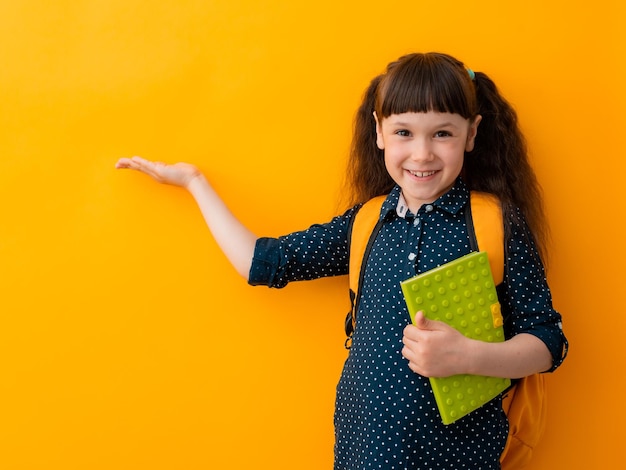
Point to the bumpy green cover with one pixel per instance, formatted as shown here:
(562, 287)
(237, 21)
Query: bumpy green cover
(462, 294)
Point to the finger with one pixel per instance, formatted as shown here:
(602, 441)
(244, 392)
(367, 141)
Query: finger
(144, 166)
(420, 320)
(423, 323)
(139, 160)
(408, 333)
(410, 356)
(122, 163)
(134, 163)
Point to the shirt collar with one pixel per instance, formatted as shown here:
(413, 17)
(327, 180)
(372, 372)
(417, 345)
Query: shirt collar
(452, 201)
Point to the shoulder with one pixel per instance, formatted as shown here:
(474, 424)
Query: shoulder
(367, 214)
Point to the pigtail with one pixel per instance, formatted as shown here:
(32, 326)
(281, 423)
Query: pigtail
(499, 162)
(367, 175)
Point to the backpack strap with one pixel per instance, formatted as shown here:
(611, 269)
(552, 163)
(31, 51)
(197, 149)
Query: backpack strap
(365, 225)
(362, 237)
(486, 229)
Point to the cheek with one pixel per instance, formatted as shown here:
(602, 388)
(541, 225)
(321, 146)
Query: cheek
(460, 161)
(455, 159)
(391, 165)
(391, 159)
(394, 152)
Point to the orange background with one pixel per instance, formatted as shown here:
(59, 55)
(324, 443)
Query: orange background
(126, 339)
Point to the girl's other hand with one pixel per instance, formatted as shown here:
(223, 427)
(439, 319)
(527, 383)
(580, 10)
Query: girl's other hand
(177, 174)
(434, 349)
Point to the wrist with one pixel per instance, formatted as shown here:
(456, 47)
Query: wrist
(472, 356)
(196, 181)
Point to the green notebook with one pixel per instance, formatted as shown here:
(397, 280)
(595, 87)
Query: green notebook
(462, 294)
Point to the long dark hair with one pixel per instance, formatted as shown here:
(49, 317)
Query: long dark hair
(438, 82)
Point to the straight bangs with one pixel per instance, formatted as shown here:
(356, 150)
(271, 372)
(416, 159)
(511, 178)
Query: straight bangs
(426, 82)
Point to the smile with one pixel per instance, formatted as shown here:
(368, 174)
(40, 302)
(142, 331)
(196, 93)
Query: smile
(422, 174)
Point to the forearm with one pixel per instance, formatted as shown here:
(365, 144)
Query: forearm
(234, 239)
(520, 356)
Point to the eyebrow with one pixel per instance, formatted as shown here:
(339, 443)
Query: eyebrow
(406, 124)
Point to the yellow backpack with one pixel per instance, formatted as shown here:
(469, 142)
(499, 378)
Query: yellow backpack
(525, 402)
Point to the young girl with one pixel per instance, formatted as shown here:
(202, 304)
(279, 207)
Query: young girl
(429, 131)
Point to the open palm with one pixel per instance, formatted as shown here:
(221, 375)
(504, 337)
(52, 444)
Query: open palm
(177, 174)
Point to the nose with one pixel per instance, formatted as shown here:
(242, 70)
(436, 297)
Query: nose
(421, 150)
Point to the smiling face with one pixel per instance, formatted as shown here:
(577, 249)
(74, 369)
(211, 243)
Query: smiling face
(424, 152)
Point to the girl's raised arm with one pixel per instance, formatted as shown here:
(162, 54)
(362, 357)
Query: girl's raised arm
(235, 240)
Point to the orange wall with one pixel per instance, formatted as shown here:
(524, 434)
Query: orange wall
(128, 342)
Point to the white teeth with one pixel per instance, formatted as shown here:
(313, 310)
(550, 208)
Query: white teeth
(421, 174)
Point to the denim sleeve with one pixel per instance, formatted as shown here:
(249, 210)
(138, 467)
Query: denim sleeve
(526, 298)
(319, 251)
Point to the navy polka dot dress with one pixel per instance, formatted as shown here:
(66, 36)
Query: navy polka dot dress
(385, 415)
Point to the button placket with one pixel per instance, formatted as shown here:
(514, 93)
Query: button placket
(415, 234)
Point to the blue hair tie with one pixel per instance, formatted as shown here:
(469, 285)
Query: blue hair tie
(471, 74)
